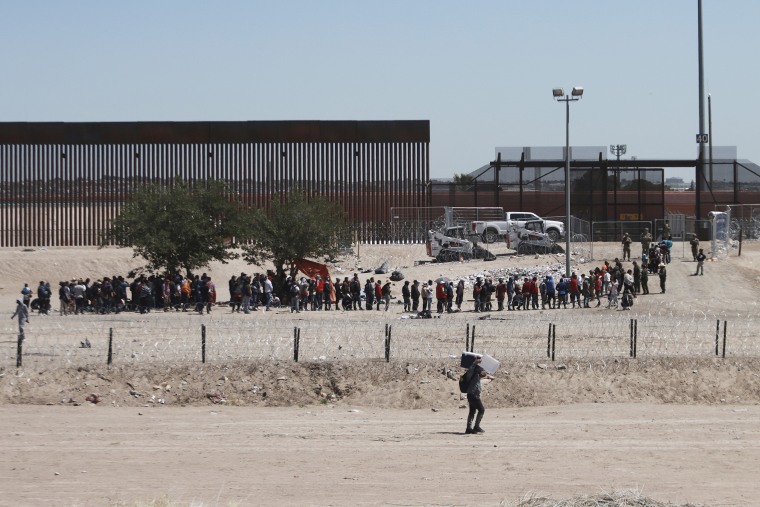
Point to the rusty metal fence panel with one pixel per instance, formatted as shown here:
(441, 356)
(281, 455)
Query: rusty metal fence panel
(62, 183)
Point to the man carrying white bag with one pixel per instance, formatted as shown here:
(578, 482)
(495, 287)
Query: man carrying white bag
(478, 366)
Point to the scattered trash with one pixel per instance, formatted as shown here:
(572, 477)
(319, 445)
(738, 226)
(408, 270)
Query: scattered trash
(85, 344)
(397, 276)
(217, 397)
(93, 398)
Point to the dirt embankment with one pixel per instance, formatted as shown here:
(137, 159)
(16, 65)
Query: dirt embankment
(388, 385)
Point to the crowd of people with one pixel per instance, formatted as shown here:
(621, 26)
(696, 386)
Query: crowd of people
(610, 284)
(114, 294)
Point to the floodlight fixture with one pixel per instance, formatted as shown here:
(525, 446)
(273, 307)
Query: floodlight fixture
(559, 96)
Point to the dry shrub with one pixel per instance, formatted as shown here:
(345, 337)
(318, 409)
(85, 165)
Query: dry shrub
(625, 498)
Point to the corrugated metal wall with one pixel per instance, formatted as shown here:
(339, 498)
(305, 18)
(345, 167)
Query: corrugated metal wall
(61, 183)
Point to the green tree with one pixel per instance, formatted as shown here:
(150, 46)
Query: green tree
(296, 228)
(463, 180)
(181, 226)
(642, 184)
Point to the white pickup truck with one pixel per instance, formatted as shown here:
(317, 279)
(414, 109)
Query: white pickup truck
(491, 231)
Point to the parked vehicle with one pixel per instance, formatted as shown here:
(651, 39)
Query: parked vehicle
(451, 244)
(530, 238)
(490, 231)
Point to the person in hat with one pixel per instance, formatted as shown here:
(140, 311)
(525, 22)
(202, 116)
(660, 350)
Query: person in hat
(646, 239)
(694, 242)
(415, 293)
(22, 313)
(627, 246)
(700, 262)
(477, 289)
(663, 276)
(473, 375)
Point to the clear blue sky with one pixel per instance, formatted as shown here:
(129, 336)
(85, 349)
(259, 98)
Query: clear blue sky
(480, 71)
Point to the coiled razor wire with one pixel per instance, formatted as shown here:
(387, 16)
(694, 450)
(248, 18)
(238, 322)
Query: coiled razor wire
(671, 331)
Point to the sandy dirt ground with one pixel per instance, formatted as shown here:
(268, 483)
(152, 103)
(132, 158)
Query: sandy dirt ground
(370, 433)
(363, 456)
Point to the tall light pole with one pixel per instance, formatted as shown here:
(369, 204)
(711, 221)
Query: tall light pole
(617, 150)
(559, 96)
(701, 138)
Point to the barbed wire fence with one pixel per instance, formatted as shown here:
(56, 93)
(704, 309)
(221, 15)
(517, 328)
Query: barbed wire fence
(561, 335)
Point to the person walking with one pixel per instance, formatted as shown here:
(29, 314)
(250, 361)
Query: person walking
(473, 375)
(663, 276)
(26, 293)
(700, 263)
(22, 314)
(613, 296)
(386, 292)
(268, 288)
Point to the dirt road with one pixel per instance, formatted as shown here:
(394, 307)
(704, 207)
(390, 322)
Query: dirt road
(338, 455)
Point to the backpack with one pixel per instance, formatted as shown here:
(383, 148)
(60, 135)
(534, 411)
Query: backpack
(464, 382)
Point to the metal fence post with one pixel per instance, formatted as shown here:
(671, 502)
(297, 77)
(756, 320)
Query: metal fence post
(467, 339)
(724, 339)
(388, 330)
(296, 343)
(110, 346)
(635, 337)
(19, 350)
(472, 339)
(717, 335)
(554, 339)
(630, 353)
(203, 343)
